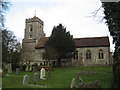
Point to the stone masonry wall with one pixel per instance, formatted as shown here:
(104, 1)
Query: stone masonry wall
(94, 56)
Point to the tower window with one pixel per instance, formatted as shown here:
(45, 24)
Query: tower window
(31, 29)
(30, 37)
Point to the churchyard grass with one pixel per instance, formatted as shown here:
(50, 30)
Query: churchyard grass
(61, 77)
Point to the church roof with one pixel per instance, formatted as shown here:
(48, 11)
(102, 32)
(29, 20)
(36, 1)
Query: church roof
(81, 42)
(41, 42)
(92, 42)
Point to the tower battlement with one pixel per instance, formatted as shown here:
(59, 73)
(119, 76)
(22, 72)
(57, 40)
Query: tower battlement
(34, 19)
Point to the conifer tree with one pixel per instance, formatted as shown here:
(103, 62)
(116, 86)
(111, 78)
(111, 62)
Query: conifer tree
(60, 45)
(112, 17)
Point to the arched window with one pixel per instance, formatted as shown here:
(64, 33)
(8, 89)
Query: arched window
(30, 37)
(75, 55)
(101, 54)
(88, 54)
(31, 28)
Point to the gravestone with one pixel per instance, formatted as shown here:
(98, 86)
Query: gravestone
(9, 68)
(6, 67)
(30, 68)
(1, 72)
(17, 70)
(27, 68)
(42, 74)
(34, 69)
(35, 77)
(72, 83)
(25, 80)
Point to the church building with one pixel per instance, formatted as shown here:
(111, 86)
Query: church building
(89, 51)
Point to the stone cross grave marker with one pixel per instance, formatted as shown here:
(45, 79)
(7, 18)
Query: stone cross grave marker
(42, 74)
(36, 77)
(9, 68)
(25, 80)
(17, 70)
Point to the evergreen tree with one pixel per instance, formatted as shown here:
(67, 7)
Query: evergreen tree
(60, 44)
(112, 17)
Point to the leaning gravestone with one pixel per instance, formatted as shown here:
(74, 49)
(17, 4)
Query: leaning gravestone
(72, 83)
(35, 77)
(17, 70)
(26, 80)
(9, 68)
(42, 74)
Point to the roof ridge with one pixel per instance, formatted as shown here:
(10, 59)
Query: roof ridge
(91, 37)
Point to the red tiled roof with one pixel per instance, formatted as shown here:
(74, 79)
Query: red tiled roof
(41, 42)
(81, 42)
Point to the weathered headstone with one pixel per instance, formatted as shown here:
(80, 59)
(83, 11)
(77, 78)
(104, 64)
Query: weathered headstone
(25, 80)
(36, 77)
(27, 68)
(6, 67)
(9, 68)
(17, 70)
(1, 72)
(30, 68)
(34, 69)
(72, 83)
(42, 74)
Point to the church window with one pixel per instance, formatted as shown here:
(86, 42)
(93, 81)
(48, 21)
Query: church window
(31, 29)
(75, 55)
(88, 54)
(30, 36)
(101, 54)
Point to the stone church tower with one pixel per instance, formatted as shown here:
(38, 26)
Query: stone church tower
(32, 33)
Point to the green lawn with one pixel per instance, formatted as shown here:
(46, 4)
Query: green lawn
(61, 77)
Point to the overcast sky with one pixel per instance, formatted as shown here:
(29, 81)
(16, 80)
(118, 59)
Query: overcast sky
(75, 15)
